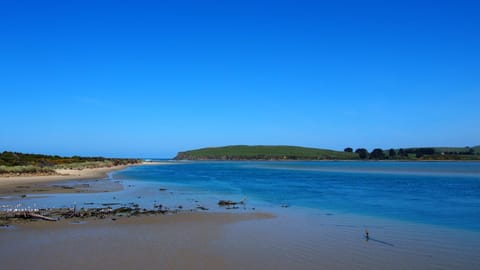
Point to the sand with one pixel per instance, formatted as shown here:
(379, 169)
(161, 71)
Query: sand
(286, 240)
(44, 184)
(181, 241)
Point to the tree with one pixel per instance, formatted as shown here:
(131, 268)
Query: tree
(401, 153)
(392, 153)
(377, 153)
(362, 153)
(420, 152)
(348, 150)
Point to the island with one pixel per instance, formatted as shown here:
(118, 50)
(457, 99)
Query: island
(282, 152)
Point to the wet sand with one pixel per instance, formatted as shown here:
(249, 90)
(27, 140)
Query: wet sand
(286, 240)
(181, 241)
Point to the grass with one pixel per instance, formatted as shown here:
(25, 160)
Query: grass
(21, 170)
(13, 163)
(262, 152)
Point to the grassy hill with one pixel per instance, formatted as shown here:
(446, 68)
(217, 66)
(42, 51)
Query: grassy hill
(262, 152)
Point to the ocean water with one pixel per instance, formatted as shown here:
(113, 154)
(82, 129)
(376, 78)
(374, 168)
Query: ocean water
(436, 193)
(439, 193)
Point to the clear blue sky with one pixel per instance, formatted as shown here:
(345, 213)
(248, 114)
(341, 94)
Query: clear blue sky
(146, 79)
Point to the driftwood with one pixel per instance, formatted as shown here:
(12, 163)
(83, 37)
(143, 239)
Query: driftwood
(33, 215)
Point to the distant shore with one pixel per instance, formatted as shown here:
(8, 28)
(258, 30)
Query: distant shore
(8, 184)
(294, 153)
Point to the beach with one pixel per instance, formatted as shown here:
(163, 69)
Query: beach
(285, 240)
(34, 184)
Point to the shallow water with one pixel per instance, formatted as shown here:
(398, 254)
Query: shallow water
(437, 193)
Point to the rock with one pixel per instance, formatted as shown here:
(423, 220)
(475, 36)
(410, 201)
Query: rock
(225, 203)
(122, 210)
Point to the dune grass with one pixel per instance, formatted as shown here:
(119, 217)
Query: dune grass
(13, 163)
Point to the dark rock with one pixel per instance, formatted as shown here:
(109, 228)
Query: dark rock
(122, 210)
(225, 203)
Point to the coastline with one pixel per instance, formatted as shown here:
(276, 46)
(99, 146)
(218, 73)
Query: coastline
(11, 184)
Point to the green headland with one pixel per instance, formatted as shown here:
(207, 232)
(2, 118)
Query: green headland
(265, 152)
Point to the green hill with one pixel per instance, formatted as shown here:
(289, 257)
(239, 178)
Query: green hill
(262, 152)
(265, 152)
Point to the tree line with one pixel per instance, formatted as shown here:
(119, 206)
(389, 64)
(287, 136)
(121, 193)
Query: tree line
(423, 152)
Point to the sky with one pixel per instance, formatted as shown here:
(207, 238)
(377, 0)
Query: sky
(151, 78)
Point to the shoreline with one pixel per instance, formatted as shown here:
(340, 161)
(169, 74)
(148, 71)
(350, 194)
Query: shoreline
(327, 160)
(10, 184)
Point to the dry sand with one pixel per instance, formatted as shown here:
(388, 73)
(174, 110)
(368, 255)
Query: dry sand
(41, 184)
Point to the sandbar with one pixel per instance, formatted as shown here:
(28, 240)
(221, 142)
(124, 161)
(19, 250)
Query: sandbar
(30, 184)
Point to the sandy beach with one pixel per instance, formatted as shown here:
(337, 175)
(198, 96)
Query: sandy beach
(181, 241)
(44, 183)
(286, 240)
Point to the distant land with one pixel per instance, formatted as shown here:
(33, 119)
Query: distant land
(265, 152)
(14, 163)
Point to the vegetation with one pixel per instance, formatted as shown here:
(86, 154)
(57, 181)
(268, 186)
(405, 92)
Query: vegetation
(362, 153)
(260, 152)
(377, 153)
(18, 163)
(435, 153)
(14, 170)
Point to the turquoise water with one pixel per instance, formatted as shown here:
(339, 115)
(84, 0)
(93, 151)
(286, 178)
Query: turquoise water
(437, 193)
